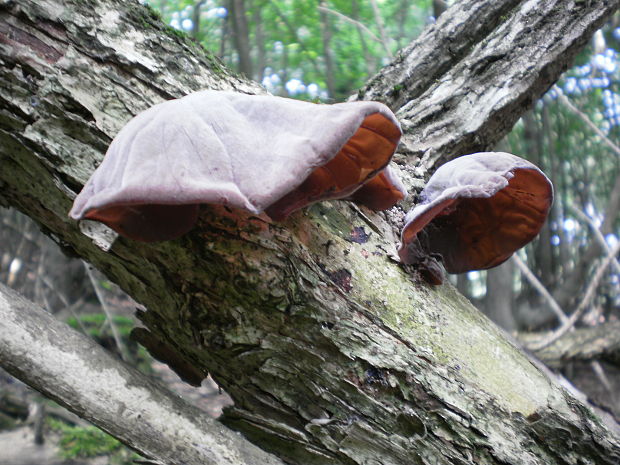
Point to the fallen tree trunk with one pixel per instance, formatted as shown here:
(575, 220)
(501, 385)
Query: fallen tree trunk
(331, 350)
(600, 342)
(78, 373)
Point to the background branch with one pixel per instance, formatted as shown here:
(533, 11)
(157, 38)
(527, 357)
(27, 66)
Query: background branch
(583, 305)
(76, 372)
(535, 282)
(600, 342)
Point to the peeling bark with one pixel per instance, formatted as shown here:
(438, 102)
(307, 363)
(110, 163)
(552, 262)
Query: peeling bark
(332, 351)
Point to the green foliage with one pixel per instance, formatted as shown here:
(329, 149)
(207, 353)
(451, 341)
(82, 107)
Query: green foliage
(97, 327)
(7, 422)
(286, 39)
(155, 14)
(78, 442)
(82, 442)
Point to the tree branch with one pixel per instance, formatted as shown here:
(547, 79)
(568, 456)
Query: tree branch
(80, 375)
(587, 121)
(76, 372)
(357, 24)
(596, 232)
(600, 342)
(535, 282)
(583, 305)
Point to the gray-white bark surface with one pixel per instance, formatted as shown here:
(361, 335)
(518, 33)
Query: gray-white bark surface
(78, 373)
(468, 78)
(331, 350)
(601, 342)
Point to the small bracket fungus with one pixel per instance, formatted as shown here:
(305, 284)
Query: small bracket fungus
(475, 211)
(258, 153)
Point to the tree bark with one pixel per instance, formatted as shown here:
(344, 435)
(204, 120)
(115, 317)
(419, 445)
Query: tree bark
(241, 35)
(328, 56)
(78, 373)
(331, 350)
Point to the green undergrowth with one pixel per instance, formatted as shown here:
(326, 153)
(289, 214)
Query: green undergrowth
(97, 326)
(79, 442)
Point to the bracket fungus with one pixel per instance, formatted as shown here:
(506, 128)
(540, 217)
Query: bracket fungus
(380, 192)
(475, 211)
(258, 153)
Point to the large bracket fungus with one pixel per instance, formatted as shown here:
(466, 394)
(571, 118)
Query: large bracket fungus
(258, 153)
(475, 211)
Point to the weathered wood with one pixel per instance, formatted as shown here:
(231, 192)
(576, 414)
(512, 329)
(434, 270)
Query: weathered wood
(332, 351)
(78, 373)
(462, 85)
(601, 342)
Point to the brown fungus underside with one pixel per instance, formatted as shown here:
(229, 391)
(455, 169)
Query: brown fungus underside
(475, 212)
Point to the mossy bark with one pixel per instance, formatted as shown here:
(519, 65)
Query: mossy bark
(333, 352)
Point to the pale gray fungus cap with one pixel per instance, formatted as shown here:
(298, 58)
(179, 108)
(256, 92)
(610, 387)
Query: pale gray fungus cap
(477, 210)
(258, 153)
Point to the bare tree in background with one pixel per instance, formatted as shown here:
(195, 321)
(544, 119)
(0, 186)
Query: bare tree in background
(241, 35)
(328, 57)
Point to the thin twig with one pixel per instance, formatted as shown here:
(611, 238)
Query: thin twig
(534, 281)
(384, 40)
(115, 334)
(565, 101)
(69, 307)
(597, 233)
(38, 288)
(585, 303)
(352, 21)
(598, 370)
(27, 233)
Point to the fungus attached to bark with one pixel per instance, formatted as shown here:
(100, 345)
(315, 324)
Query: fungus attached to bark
(259, 153)
(475, 211)
(381, 192)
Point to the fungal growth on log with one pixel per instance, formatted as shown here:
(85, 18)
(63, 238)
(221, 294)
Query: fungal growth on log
(475, 211)
(380, 192)
(258, 153)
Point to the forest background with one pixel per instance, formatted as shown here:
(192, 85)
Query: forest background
(326, 50)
